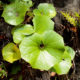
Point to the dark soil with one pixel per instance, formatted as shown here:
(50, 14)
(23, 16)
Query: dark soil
(71, 37)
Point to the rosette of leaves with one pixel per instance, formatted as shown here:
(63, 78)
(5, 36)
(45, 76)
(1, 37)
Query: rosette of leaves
(22, 31)
(11, 53)
(47, 50)
(14, 13)
(39, 45)
(42, 51)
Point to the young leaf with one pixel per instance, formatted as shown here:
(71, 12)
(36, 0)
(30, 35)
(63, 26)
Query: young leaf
(45, 9)
(11, 53)
(42, 24)
(14, 13)
(20, 32)
(42, 51)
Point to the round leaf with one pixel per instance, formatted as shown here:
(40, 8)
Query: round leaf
(45, 9)
(41, 51)
(14, 13)
(11, 53)
(20, 32)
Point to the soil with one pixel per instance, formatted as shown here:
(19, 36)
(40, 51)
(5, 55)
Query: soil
(71, 37)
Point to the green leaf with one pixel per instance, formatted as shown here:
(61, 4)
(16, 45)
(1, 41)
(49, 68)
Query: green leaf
(70, 52)
(25, 29)
(11, 53)
(45, 9)
(63, 67)
(20, 32)
(42, 51)
(42, 24)
(28, 3)
(18, 37)
(14, 29)
(14, 13)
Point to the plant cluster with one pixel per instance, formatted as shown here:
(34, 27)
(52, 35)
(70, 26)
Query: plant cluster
(37, 44)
